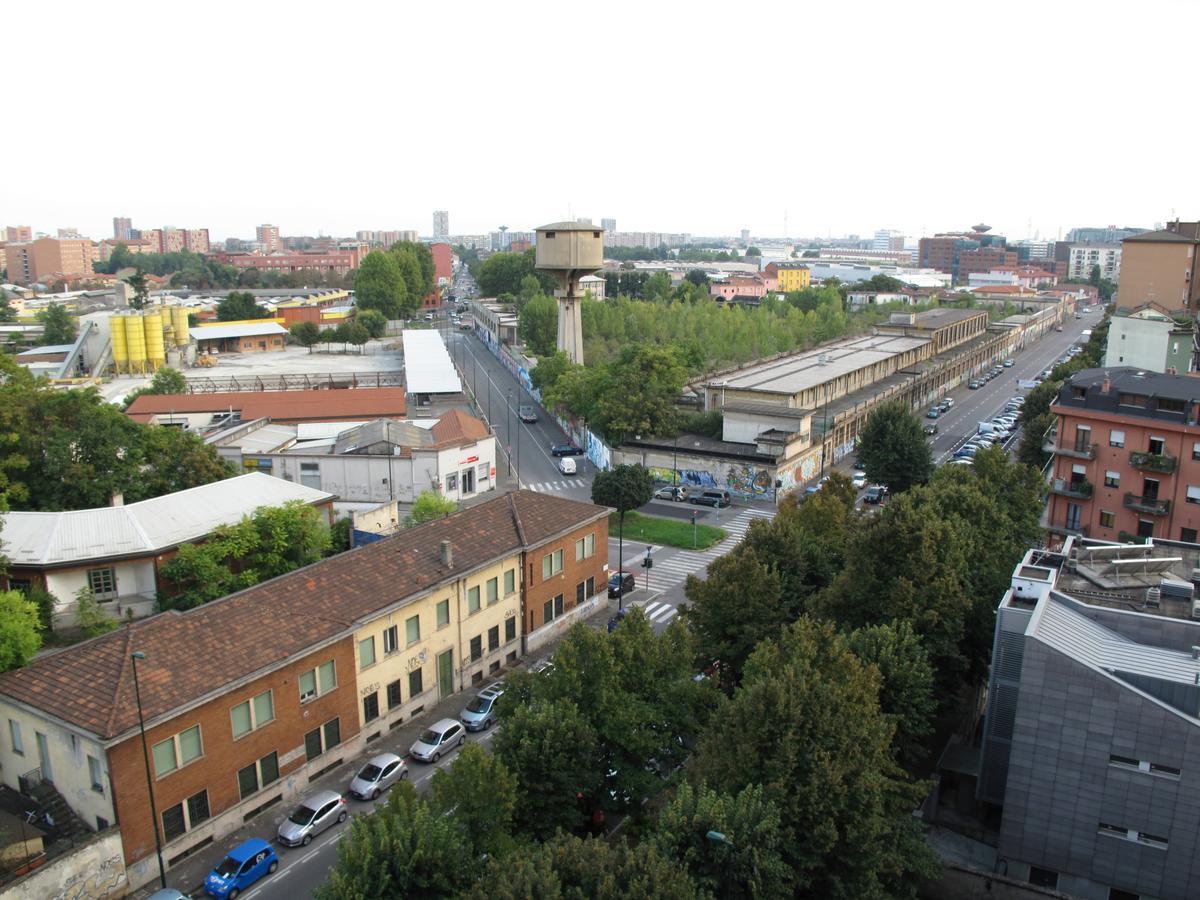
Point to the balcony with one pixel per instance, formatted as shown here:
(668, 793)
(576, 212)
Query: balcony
(1153, 462)
(1081, 490)
(1151, 505)
(1045, 524)
(1079, 451)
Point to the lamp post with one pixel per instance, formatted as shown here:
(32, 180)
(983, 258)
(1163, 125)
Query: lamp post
(510, 434)
(716, 837)
(137, 693)
(675, 463)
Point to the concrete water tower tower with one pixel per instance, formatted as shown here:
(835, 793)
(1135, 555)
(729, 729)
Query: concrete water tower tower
(569, 250)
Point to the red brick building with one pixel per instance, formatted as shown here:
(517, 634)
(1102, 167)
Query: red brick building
(443, 263)
(1126, 456)
(338, 262)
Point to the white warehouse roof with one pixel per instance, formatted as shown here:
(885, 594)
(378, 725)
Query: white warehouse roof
(244, 329)
(428, 368)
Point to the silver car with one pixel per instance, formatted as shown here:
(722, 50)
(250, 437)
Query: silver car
(437, 740)
(311, 817)
(480, 713)
(379, 774)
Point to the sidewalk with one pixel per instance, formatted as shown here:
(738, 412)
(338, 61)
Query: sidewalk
(188, 876)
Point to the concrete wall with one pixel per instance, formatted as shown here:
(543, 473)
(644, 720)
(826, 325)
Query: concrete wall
(93, 870)
(964, 883)
(742, 479)
(135, 582)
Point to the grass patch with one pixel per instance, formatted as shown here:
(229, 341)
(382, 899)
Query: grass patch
(670, 532)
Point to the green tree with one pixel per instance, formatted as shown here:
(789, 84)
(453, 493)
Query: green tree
(91, 619)
(549, 369)
(308, 334)
(893, 449)
(657, 286)
(6, 310)
(808, 729)
(570, 867)
(428, 506)
(58, 325)
(165, 381)
(481, 795)
(753, 251)
(141, 289)
(355, 333)
(697, 277)
(624, 488)
(537, 325)
(175, 460)
(410, 270)
(238, 306)
(645, 384)
(502, 273)
(530, 288)
(906, 685)
(373, 321)
(403, 849)
(379, 284)
(20, 630)
(750, 865)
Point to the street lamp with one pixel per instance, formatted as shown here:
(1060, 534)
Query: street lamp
(510, 434)
(137, 693)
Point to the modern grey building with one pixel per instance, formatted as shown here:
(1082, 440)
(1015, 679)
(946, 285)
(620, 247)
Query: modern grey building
(1092, 732)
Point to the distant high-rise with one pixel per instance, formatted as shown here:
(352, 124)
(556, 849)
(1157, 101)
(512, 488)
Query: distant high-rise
(745, 235)
(441, 224)
(268, 237)
(122, 226)
(609, 225)
(887, 239)
(1109, 235)
(17, 234)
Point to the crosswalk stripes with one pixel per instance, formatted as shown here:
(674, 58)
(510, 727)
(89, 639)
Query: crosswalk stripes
(659, 612)
(550, 487)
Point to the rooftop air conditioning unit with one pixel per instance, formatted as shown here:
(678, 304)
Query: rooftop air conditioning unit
(1177, 590)
(1153, 597)
(1196, 609)
(1195, 576)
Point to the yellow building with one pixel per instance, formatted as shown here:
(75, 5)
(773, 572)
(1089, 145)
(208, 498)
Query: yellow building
(794, 278)
(440, 641)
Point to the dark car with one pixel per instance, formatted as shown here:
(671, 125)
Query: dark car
(527, 413)
(719, 499)
(931, 428)
(624, 582)
(933, 413)
(875, 494)
(566, 450)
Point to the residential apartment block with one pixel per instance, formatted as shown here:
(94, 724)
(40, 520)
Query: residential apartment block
(1084, 258)
(1148, 337)
(267, 236)
(791, 276)
(1092, 731)
(45, 258)
(1126, 456)
(1162, 267)
(359, 642)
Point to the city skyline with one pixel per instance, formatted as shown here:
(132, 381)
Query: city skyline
(922, 161)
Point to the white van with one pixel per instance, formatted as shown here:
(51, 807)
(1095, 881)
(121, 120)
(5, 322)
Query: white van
(566, 465)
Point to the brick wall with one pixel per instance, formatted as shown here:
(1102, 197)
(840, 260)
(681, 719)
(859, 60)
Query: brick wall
(217, 769)
(539, 590)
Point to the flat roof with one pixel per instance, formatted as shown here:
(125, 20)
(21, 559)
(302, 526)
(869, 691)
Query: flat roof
(428, 368)
(247, 329)
(810, 368)
(324, 405)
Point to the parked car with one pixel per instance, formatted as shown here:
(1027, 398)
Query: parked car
(480, 713)
(566, 465)
(933, 412)
(623, 583)
(1008, 363)
(311, 817)
(245, 864)
(931, 428)
(975, 384)
(526, 413)
(671, 492)
(718, 499)
(566, 450)
(437, 740)
(966, 450)
(859, 481)
(875, 494)
(379, 774)
(947, 403)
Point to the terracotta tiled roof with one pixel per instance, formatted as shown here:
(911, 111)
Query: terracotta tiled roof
(456, 427)
(280, 406)
(198, 653)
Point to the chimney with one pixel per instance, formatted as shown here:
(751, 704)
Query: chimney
(118, 499)
(447, 555)
(1107, 385)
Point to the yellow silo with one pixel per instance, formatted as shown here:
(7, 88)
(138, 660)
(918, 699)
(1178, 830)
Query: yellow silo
(120, 349)
(179, 318)
(155, 351)
(135, 337)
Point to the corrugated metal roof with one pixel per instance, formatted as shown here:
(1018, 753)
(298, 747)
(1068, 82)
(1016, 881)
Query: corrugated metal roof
(248, 329)
(428, 368)
(53, 538)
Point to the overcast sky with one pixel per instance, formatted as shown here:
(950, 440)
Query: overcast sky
(693, 117)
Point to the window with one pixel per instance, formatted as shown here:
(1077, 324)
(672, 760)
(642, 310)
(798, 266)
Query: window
(1112, 479)
(483, 472)
(1043, 877)
(443, 613)
(1196, 450)
(1129, 834)
(585, 547)
(182, 817)
(476, 648)
(493, 592)
(317, 682)
(558, 606)
(412, 630)
(510, 581)
(580, 592)
(1170, 404)
(322, 739)
(371, 707)
(103, 583)
(391, 640)
(14, 734)
(472, 600)
(1141, 765)
(258, 775)
(591, 586)
(1118, 894)
(414, 683)
(548, 611)
(1116, 438)
(552, 563)
(310, 475)
(1107, 519)
(510, 629)
(1145, 528)
(177, 751)
(452, 482)
(493, 638)
(1193, 494)
(252, 714)
(1187, 535)
(366, 652)
(96, 774)
(393, 694)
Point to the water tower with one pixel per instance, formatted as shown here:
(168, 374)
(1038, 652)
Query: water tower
(569, 250)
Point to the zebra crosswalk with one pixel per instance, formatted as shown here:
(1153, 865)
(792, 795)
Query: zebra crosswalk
(657, 611)
(550, 487)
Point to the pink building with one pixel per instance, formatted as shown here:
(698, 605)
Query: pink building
(443, 263)
(738, 286)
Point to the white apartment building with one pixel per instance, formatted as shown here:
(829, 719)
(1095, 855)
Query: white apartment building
(1085, 257)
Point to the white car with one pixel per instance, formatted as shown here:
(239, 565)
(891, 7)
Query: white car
(859, 480)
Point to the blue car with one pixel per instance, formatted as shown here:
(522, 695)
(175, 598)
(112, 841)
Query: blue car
(245, 864)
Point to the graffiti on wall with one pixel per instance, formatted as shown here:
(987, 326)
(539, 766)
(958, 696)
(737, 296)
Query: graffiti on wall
(800, 473)
(598, 452)
(94, 882)
(749, 481)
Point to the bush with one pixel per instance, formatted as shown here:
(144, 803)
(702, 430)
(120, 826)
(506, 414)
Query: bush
(93, 621)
